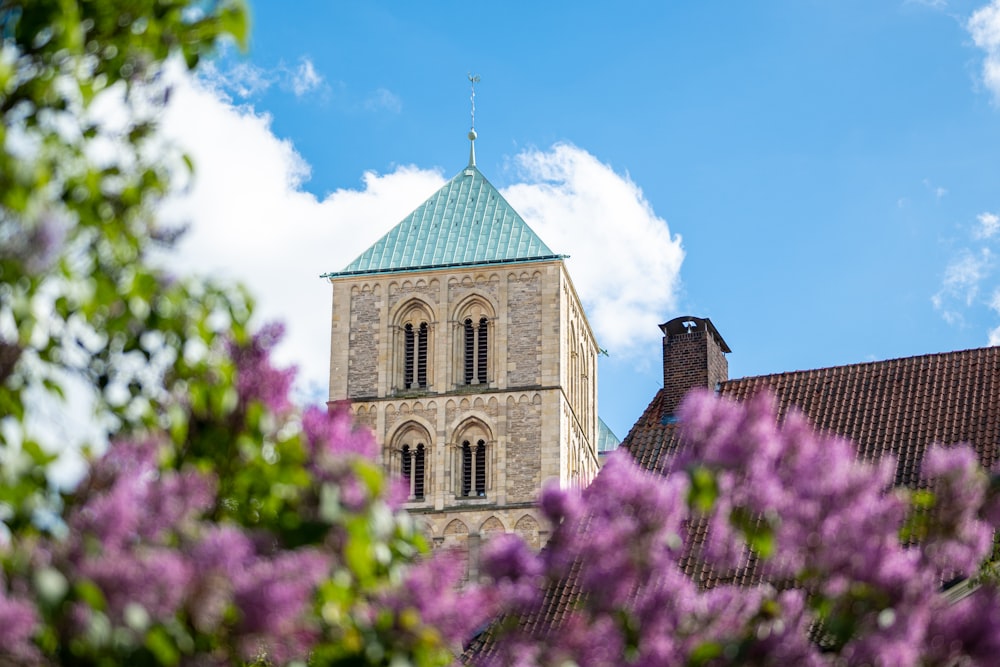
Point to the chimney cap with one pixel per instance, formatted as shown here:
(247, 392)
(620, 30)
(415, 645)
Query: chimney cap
(689, 323)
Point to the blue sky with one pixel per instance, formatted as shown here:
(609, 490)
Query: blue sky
(821, 178)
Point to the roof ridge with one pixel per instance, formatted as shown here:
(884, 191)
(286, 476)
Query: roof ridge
(860, 364)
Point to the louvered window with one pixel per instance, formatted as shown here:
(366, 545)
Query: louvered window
(412, 468)
(406, 465)
(408, 356)
(481, 351)
(470, 348)
(418, 473)
(466, 468)
(474, 469)
(481, 469)
(422, 356)
(415, 356)
(476, 338)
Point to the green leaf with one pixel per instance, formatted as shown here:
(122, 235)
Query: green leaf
(705, 653)
(757, 530)
(704, 489)
(162, 647)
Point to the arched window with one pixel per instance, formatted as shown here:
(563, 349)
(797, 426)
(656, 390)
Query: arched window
(476, 355)
(410, 448)
(473, 343)
(412, 469)
(412, 350)
(474, 468)
(415, 356)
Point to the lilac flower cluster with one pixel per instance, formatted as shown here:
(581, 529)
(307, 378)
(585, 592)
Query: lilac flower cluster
(256, 377)
(781, 504)
(138, 535)
(154, 559)
(19, 620)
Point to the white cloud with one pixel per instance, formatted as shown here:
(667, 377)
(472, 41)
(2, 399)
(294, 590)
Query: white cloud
(240, 79)
(994, 334)
(383, 100)
(243, 79)
(989, 225)
(964, 275)
(963, 278)
(984, 27)
(305, 78)
(623, 260)
(935, 190)
(972, 272)
(251, 221)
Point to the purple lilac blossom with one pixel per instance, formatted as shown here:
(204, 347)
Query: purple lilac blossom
(273, 597)
(958, 539)
(431, 588)
(333, 433)
(256, 378)
(834, 535)
(19, 621)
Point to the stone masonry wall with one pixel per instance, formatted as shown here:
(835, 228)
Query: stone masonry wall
(524, 330)
(524, 467)
(362, 370)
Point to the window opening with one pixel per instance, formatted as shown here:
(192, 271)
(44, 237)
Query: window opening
(466, 468)
(481, 469)
(406, 465)
(415, 355)
(408, 356)
(481, 371)
(422, 356)
(418, 476)
(470, 346)
(476, 351)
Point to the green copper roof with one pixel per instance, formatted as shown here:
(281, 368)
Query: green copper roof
(466, 222)
(607, 441)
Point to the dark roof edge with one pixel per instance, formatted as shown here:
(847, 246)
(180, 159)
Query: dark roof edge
(860, 364)
(452, 265)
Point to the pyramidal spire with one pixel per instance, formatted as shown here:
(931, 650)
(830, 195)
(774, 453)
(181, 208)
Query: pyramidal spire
(473, 80)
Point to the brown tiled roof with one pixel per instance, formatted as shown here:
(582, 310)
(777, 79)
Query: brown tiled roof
(898, 407)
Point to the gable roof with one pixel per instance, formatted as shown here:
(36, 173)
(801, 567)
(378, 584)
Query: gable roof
(467, 222)
(897, 407)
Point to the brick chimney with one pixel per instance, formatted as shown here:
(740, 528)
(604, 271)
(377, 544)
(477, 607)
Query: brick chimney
(694, 355)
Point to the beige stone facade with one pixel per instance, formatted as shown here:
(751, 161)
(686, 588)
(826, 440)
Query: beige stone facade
(481, 384)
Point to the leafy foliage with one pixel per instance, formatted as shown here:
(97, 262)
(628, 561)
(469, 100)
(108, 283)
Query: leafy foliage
(222, 525)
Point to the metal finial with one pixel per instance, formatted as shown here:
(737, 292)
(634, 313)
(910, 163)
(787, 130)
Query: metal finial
(473, 80)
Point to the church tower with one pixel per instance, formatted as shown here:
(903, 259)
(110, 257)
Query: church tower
(459, 339)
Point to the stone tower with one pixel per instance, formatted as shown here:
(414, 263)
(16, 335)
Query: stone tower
(459, 339)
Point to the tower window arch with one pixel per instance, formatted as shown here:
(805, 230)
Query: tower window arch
(411, 452)
(413, 470)
(474, 344)
(473, 464)
(413, 347)
(476, 353)
(474, 468)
